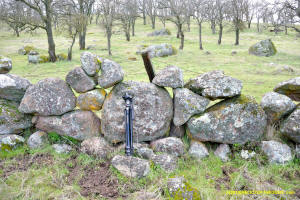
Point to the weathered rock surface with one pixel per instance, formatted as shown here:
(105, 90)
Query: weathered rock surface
(297, 151)
(11, 120)
(290, 88)
(62, 148)
(9, 142)
(22, 51)
(50, 96)
(153, 111)
(198, 150)
(145, 152)
(80, 81)
(92, 100)
(111, 74)
(175, 185)
(77, 124)
(33, 57)
(166, 161)
(160, 32)
(276, 106)
(90, 63)
(223, 152)
(236, 120)
(263, 48)
(38, 139)
(177, 131)
(291, 126)
(170, 145)
(215, 85)
(96, 146)
(277, 152)
(5, 65)
(160, 50)
(187, 104)
(131, 166)
(13, 87)
(145, 195)
(170, 76)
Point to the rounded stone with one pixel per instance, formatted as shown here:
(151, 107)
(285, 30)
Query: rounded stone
(290, 88)
(290, 127)
(5, 65)
(37, 140)
(80, 81)
(92, 100)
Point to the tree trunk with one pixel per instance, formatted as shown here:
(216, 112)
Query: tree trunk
(108, 35)
(144, 18)
(133, 27)
(17, 32)
(82, 39)
(200, 36)
(178, 33)
(213, 27)
(181, 37)
(249, 25)
(188, 23)
(220, 33)
(237, 36)
(127, 34)
(153, 22)
(257, 25)
(285, 29)
(71, 47)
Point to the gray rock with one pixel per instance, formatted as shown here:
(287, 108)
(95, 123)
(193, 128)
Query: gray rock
(11, 120)
(153, 111)
(33, 57)
(290, 127)
(145, 152)
(277, 152)
(96, 146)
(50, 96)
(62, 148)
(215, 85)
(223, 152)
(177, 131)
(236, 120)
(13, 87)
(187, 104)
(5, 65)
(179, 189)
(90, 63)
(161, 32)
(131, 166)
(170, 145)
(111, 74)
(145, 195)
(297, 151)
(175, 185)
(263, 48)
(38, 139)
(91, 47)
(92, 100)
(80, 81)
(290, 88)
(10, 142)
(198, 150)
(22, 51)
(170, 76)
(276, 106)
(166, 161)
(160, 50)
(77, 124)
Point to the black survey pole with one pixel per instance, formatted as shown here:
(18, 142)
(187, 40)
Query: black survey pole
(128, 124)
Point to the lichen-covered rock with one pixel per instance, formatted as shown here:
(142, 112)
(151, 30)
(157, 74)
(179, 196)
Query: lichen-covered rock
(90, 63)
(80, 81)
(38, 139)
(276, 106)
(92, 100)
(5, 65)
(215, 85)
(161, 32)
(170, 145)
(131, 166)
(198, 150)
(62, 148)
(236, 120)
(145, 152)
(77, 124)
(263, 48)
(11, 120)
(50, 96)
(160, 50)
(175, 184)
(22, 51)
(170, 76)
(153, 111)
(187, 104)
(9, 142)
(33, 57)
(223, 152)
(277, 152)
(290, 88)
(177, 131)
(111, 74)
(166, 161)
(96, 146)
(290, 127)
(13, 87)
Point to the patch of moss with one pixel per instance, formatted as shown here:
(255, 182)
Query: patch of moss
(28, 48)
(55, 138)
(175, 51)
(187, 192)
(44, 59)
(62, 57)
(168, 31)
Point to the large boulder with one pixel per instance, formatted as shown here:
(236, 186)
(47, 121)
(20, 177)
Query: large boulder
(92, 100)
(160, 50)
(111, 74)
(38, 139)
(215, 85)
(90, 63)
(236, 120)
(9, 142)
(187, 104)
(80, 81)
(160, 32)
(290, 88)
(290, 127)
(13, 87)
(170, 145)
(153, 111)
(11, 120)
(77, 124)
(50, 96)
(5, 65)
(170, 76)
(276, 106)
(277, 152)
(96, 146)
(198, 150)
(263, 48)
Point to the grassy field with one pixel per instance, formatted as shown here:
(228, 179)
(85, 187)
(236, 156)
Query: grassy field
(43, 174)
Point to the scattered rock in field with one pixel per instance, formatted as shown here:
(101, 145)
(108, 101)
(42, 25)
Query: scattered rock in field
(284, 69)
(297, 151)
(223, 152)
(77, 124)
(277, 152)
(276, 106)
(290, 88)
(198, 150)
(290, 127)
(22, 51)
(62, 148)
(33, 57)
(111, 74)
(160, 50)
(38, 139)
(96, 146)
(170, 145)
(160, 32)
(92, 100)
(170, 76)
(11, 120)
(175, 185)
(9, 142)
(90, 63)
(50, 96)
(153, 112)
(131, 166)
(215, 85)
(245, 154)
(145, 152)
(187, 104)
(177, 131)
(236, 120)
(5, 65)
(91, 47)
(61, 57)
(80, 81)
(166, 161)
(207, 53)
(263, 48)
(233, 53)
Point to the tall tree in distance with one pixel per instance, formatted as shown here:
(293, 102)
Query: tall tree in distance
(237, 15)
(200, 13)
(221, 12)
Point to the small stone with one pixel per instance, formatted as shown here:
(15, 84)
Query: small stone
(33, 57)
(166, 161)
(145, 153)
(290, 127)
(177, 131)
(9, 142)
(91, 47)
(207, 53)
(263, 48)
(111, 74)
(277, 152)
(90, 63)
(62, 148)
(223, 152)
(96, 146)
(170, 145)
(38, 139)
(233, 53)
(175, 185)
(92, 100)
(198, 150)
(290, 88)
(5, 65)
(170, 76)
(80, 81)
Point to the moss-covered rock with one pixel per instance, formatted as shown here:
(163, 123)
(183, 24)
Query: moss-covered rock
(62, 57)
(44, 59)
(9, 142)
(263, 48)
(28, 48)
